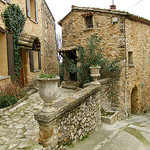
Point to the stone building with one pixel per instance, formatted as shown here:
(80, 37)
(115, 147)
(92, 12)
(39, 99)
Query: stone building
(125, 36)
(37, 42)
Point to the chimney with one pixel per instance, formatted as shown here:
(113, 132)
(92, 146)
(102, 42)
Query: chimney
(113, 7)
(73, 6)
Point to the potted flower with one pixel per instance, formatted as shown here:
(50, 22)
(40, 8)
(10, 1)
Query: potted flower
(48, 86)
(95, 73)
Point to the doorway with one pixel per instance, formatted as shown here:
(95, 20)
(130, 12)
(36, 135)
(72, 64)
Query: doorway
(72, 56)
(134, 100)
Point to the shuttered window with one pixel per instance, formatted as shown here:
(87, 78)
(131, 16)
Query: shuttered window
(32, 9)
(35, 57)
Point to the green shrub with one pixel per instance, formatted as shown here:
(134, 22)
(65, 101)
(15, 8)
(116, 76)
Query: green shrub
(7, 100)
(47, 75)
(10, 93)
(92, 55)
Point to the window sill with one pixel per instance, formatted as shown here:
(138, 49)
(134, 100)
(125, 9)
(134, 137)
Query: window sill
(131, 65)
(4, 77)
(36, 70)
(88, 29)
(34, 21)
(3, 1)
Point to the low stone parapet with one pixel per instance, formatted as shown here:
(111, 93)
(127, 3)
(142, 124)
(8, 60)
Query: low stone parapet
(74, 118)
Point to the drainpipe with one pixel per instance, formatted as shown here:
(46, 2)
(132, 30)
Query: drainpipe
(125, 101)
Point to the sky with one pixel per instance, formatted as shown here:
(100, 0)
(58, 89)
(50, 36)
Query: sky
(60, 8)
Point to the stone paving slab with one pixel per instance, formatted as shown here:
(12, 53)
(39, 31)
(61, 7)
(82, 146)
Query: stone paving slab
(18, 128)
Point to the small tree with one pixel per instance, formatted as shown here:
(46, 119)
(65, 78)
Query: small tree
(92, 54)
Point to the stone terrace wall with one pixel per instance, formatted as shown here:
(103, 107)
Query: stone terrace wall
(76, 115)
(109, 98)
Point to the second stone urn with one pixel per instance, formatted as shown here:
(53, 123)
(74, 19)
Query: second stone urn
(48, 89)
(95, 74)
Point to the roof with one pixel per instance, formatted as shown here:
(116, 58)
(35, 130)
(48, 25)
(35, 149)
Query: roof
(108, 11)
(70, 48)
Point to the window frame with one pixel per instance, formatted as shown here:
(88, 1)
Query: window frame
(130, 59)
(28, 10)
(31, 56)
(89, 22)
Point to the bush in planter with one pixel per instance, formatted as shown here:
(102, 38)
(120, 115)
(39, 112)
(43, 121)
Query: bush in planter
(42, 75)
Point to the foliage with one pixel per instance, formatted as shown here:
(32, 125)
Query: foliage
(92, 55)
(7, 100)
(93, 65)
(47, 76)
(14, 20)
(10, 93)
(61, 68)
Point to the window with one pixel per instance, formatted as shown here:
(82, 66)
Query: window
(35, 56)
(32, 10)
(89, 21)
(130, 59)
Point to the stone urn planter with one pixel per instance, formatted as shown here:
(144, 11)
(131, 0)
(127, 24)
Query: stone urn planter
(95, 74)
(48, 89)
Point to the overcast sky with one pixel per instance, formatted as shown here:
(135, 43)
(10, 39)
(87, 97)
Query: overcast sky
(60, 8)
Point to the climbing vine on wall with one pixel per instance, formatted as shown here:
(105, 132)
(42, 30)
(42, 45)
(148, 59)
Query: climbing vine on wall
(14, 20)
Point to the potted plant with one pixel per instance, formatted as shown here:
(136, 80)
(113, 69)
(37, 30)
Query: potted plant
(95, 73)
(48, 86)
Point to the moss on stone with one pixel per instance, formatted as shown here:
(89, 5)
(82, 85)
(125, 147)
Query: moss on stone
(138, 135)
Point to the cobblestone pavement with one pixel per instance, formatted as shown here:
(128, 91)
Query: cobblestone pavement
(18, 128)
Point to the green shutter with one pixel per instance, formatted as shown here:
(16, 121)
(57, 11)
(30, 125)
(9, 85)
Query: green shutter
(31, 61)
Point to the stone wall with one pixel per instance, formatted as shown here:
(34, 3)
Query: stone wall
(51, 62)
(75, 117)
(74, 32)
(117, 40)
(138, 73)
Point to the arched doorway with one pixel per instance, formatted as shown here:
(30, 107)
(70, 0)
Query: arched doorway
(30, 52)
(134, 100)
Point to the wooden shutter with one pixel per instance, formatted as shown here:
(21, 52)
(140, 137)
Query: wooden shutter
(39, 59)
(10, 54)
(28, 8)
(8, 1)
(31, 61)
(36, 11)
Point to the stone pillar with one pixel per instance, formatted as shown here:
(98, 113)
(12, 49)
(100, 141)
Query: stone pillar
(48, 133)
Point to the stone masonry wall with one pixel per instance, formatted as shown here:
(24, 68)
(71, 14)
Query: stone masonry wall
(76, 116)
(117, 40)
(138, 73)
(51, 62)
(74, 32)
